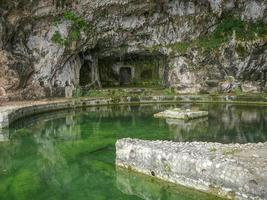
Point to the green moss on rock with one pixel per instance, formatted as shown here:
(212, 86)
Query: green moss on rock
(224, 32)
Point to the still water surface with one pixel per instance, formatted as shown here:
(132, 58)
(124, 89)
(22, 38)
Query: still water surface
(71, 154)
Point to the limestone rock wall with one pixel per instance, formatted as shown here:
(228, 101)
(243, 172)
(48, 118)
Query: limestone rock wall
(120, 29)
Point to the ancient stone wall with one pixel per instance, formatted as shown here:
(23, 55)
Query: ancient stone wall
(234, 171)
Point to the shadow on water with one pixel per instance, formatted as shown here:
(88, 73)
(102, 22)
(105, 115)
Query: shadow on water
(70, 154)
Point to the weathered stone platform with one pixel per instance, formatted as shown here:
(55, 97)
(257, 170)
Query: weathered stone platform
(178, 113)
(233, 171)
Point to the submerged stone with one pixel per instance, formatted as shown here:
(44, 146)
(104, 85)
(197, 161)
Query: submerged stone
(150, 188)
(181, 114)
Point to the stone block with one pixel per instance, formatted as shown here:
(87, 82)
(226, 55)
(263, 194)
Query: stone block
(181, 114)
(231, 171)
(69, 91)
(250, 87)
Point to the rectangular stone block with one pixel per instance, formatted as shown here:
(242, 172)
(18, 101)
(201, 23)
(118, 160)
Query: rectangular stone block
(181, 114)
(221, 169)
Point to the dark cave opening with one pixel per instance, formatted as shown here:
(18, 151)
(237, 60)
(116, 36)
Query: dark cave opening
(132, 69)
(89, 70)
(147, 74)
(85, 74)
(125, 76)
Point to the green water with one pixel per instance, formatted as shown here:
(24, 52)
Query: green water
(71, 154)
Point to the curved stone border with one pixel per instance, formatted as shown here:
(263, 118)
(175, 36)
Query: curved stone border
(231, 171)
(12, 112)
(9, 114)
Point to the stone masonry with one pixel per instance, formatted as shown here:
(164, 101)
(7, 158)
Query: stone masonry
(232, 171)
(178, 113)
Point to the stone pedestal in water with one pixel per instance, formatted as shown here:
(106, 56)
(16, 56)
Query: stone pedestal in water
(181, 114)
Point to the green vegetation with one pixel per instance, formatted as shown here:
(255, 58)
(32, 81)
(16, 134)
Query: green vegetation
(147, 82)
(69, 154)
(244, 30)
(224, 31)
(117, 94)
(180, 47)
(213, 149)
(229, 151)
(97, 93)
(78, 92)
(78, 25)
(58, 39)
(169, 91)
(237, 91)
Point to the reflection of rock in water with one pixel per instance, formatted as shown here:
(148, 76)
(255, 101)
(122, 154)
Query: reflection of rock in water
(4, 135)
(181, 129)
(239, 123)
(178, 113)
(149, 188)
(68, 130)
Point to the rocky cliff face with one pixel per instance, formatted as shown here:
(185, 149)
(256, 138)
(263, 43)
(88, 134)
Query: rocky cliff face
(197, 46)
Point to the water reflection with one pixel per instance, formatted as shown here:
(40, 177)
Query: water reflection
(225, 123)
(69, 154)
(4, 135)
(243, 124)
(180, 128)
(149, 188)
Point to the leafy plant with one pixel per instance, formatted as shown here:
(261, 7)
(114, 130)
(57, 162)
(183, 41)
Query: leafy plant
(78, 92)
(169, 91)
(223, 32)
(180, 47)
(57, 38)
(78, 24)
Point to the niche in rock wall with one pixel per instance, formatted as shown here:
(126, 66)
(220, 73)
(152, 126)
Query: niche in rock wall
(131, 69)
(125, 76)
(85, 74)
(147, 74)
(89, 73)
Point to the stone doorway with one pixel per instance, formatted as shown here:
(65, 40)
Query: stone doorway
(125, 75)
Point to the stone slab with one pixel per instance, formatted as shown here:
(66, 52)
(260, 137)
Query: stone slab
(224, 170)
(181, 114)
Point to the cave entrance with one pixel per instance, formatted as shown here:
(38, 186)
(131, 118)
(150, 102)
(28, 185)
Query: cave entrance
(125, 76)
(140, 69)
(85, 74)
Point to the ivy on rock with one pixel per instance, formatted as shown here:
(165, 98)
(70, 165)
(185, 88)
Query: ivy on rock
(78, 25)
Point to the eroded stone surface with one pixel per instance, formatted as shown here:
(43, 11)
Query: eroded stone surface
(178, 113)
(224, 170)
(150, 188)
(123, 29)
